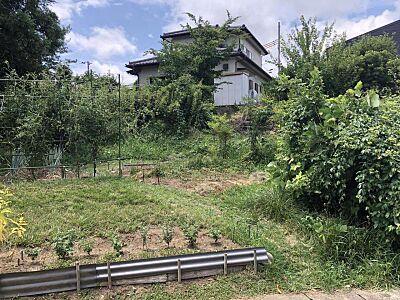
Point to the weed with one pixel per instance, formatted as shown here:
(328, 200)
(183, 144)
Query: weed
(87, 246)
(215, 234)
(33, 253)
(191, 232)
(144, 232)
(117, 244)
(168, 234)
(64, 244)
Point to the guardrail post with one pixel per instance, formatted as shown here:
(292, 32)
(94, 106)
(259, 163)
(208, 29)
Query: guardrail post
(255, 261)
(78, 277)
(179, 271)
(109, 275)
(225, 264)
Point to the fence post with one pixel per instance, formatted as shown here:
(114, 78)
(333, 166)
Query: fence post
(179, 271)
(255, 261)
(225, 264)
(109, 275)
(78, 169)
(78, 277)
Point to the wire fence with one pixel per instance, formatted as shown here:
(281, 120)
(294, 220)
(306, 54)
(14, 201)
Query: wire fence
(58, 127)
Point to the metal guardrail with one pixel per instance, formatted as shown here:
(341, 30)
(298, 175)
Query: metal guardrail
(130, 272)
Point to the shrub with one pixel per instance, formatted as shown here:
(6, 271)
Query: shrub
(168, 232)
(342, 154)
(64, 244)
(33, 253)
(10, 223)
(117, 244)
(215, 234)
(87, 246)
(191, 232)
(223, 129)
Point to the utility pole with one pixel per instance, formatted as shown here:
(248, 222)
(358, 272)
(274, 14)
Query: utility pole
(88, 63)
(279, 47)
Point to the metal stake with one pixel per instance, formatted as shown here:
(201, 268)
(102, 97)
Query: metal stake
(78, 277)
(179, 271)
(225, 264)
(255, 261)
(109, 275)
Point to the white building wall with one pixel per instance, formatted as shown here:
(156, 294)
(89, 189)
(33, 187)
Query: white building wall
(233, 91)
(146, 73)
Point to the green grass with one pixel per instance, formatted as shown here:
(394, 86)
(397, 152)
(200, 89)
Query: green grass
(99, 206)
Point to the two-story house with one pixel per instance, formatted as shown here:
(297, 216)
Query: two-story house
(242, 73)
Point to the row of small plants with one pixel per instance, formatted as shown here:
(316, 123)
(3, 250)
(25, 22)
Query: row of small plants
(63, 244)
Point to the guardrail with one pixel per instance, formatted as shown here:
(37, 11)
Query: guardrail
(153, 270)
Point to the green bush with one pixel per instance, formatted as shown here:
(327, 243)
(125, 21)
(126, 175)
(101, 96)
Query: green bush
(64, 244)
(342, 154)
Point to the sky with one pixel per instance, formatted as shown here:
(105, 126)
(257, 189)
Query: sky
(109, 34)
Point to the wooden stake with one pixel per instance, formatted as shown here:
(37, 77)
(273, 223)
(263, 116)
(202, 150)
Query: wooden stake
(109, 276)
(78, 277)
(22, 254)
(179, 271)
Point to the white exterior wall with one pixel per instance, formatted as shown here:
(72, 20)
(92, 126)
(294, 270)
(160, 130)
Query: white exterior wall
(255, 54)
(233, 93)
(146, 73)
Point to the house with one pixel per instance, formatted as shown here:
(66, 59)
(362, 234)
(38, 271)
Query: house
(391, 29)
(242, 73)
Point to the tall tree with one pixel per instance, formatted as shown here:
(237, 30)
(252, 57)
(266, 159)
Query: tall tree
(30, 35)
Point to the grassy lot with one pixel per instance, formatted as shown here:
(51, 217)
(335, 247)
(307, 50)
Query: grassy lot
(101, 206)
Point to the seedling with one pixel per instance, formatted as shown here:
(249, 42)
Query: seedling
(167, 234)
(191, 233)
(64, 244)
(117, 244)
(33, 253)
(87, 246)
(144, 232)
(215, 234)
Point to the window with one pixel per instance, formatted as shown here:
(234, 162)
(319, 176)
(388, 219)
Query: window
(256, 87)
(250, 85)
(225, 67)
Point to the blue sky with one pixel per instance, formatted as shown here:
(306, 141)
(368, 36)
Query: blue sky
(111, 33)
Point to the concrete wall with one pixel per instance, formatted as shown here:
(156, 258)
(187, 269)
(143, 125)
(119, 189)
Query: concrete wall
(146, 73)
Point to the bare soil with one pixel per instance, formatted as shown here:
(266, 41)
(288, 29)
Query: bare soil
(102, 248)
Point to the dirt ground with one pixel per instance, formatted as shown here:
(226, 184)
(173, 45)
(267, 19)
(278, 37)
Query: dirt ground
(102, 248)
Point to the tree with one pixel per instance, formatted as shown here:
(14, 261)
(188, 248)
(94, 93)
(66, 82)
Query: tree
(30, 35)
(183, 97)
(304, 49)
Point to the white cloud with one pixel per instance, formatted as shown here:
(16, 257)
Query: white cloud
(105, 68)
(65, 9)
(104, 42)
(150, 35)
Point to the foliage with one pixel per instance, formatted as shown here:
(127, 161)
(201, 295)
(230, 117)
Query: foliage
(117, 243)
(31, 35)
(33, 252)
(168, 234)
(370, 59)
(259, 117)
(183, 96)
(10, 223)
(223, 129)
(215, 234)
(304, 48)
(144, 232)
(191, 233)
(342, 154)
(63, 244)
(87, 246)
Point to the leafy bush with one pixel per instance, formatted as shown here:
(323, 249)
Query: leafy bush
(342, 154)
(10, 223)
(64, 244)
(32, 252)
(87, 246)
(117, 244)
(191, 233)
(223, 129)
(168, 233)
(215, 234)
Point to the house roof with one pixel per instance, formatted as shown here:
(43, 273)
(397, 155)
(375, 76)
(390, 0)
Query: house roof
(243, 27)
(392, 29)
(137, 64)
